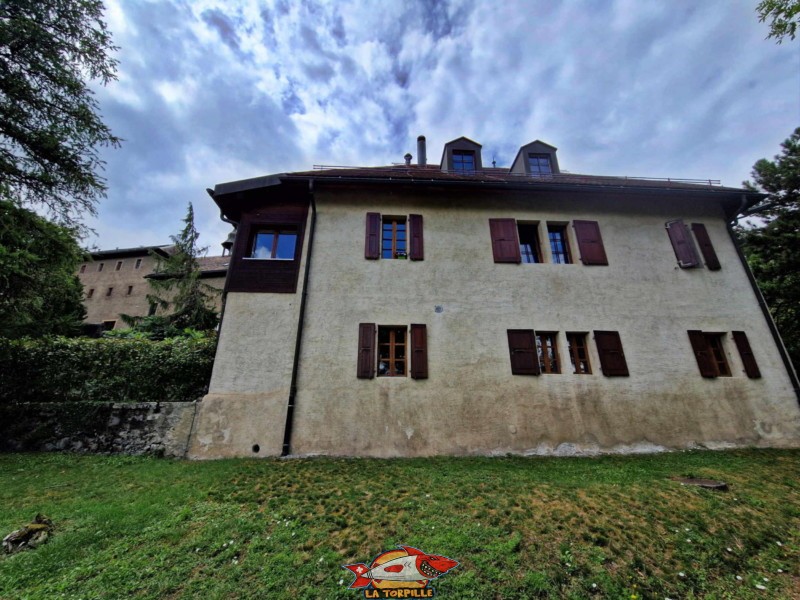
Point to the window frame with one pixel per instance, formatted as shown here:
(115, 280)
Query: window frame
(109, 292)
(547, 340)
(529, 228)
(573, 351)
(538, 156)
(394, 223)
(710, 353)
(392, 345)
(563, 229)
(90, 293)
(118, 265)
(459, 164)
(276, 231)
(138, 263)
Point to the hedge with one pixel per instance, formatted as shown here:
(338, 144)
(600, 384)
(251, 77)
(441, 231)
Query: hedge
(104, 370)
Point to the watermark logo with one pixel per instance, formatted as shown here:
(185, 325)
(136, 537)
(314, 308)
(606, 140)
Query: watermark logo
(403, 573)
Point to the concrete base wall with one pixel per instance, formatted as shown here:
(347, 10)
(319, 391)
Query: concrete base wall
(161, 429)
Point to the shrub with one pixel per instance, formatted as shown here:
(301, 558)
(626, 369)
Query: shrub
(104, 370)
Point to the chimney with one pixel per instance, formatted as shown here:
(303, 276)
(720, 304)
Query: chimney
(408, 158)
(422, 157)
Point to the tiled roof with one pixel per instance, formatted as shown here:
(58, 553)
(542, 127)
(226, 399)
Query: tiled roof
(433, 173)
(213, 263)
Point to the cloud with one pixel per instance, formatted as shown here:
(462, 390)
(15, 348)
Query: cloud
(213, 91)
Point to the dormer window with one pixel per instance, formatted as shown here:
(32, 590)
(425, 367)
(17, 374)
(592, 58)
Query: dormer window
(539, 164)
(462, 155)
(463, 160)
(536, 159)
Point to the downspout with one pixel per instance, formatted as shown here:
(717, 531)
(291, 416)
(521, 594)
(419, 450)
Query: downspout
(287, 432)
(224, 302)
(787, 363)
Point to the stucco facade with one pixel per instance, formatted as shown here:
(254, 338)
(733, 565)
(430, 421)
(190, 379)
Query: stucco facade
(470, 401)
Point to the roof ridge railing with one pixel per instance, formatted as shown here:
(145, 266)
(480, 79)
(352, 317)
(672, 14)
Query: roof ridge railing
(505, 172)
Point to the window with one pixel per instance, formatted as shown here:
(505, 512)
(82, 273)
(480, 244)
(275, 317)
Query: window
(130, 290)
(709, 352)
(109, 325)
(391, 351)
(684, 246)
(463, 160)
(559, 244)
(547, 351)
(152, 309)
(612, 357)
(91, 293)
(108, 293)
(515, 243)
(274, 244)
(99, 267)
(83, 268)
(539, 164)
(529, 242)
(394, 237)
(578, 353)
(138, 263)
(119, 265)
(395, 346)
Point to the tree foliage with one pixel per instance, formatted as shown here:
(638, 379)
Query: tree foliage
(39, 291)
(50, 129)
(177, 289)
(784, 16)
(772, 246)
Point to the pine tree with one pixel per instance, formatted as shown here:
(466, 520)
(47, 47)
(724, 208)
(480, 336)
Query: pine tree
(772, 246)
(177, 288)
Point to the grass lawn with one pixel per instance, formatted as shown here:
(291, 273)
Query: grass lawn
(610, 527)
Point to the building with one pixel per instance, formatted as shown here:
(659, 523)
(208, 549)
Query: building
(116, 282)
(457, 309)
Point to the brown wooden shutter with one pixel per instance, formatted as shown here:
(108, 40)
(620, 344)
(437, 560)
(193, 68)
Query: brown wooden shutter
(505, 243)
(682, 244)
(702, 353)
(612, 358)
(366, 350)
(417, 245)
(712, 262)
(372, 244)
(590, 243)
(748, 360)
(419, 351)
(522, 347)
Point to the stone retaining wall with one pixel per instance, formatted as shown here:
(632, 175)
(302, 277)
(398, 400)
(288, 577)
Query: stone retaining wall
(159, 428)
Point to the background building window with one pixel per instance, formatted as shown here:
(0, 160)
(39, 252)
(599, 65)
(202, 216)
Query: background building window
(529, 242)
(99, 267)
(392, 355)
(91, 293)
(119, 265)
(559, 245)
(138, 263)
(539, 164)
(109, 325)
(274, 244)
(463, 160)
(108, 293)
(547, 350)
(130, 290)
(393, 238)
(578, 353)
(83, 268)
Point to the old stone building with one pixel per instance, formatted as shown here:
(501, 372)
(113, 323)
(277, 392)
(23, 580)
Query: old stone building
(462, 309)
(116, 282)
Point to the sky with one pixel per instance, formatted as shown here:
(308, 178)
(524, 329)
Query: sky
(214, 91)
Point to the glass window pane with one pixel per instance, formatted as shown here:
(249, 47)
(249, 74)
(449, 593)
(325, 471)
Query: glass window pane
(286, 245)
(262, 247)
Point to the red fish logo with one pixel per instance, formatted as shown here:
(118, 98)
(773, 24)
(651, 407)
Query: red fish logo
(403, 573)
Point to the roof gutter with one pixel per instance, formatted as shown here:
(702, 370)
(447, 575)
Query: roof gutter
(287, 431)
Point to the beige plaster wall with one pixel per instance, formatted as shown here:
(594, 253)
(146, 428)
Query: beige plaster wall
(471, 403)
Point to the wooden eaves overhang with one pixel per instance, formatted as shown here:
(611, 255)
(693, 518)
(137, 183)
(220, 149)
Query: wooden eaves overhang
(235, 197)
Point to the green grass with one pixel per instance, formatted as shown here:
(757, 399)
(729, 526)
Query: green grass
(611, 527)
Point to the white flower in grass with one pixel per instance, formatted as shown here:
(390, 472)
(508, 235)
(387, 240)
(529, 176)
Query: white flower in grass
(594, 586)
(779, 544)
(341, 581)
(729, 549)
(738, 578)
(681, 574)
(765, 579)
(780, 570)
(230, 543)
(689, 540)
(760, 587)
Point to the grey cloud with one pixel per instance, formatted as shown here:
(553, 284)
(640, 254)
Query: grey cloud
(223, 25)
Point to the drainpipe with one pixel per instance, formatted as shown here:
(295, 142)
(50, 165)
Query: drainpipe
(787, 363)
(287, 432)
